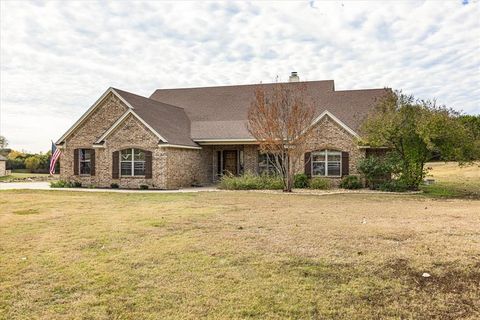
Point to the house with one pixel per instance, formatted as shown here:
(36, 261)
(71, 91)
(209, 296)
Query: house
(3, 166)
(182, 137)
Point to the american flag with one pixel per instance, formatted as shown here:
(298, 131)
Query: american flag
(53, 160)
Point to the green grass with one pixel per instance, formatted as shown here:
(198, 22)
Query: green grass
(237, 255)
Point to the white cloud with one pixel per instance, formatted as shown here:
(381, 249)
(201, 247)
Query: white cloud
(58, 58)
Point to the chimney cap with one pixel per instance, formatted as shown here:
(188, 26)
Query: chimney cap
(294, 77)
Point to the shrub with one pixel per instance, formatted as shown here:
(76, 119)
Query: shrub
(300, 181)
(143, 187)
(58, 184)
(114, 185)
(65, 184)
(320, 183)
(393, 186)
(350, 182)
(377, 170)
(249, 181)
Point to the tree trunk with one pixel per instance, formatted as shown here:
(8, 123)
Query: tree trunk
(288, 175)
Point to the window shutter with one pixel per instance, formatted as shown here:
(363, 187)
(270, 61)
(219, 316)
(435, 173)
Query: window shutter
(148, 164)
(115, 165)
(345, 164)
(308, 164)
(75, 161)
(92, 162)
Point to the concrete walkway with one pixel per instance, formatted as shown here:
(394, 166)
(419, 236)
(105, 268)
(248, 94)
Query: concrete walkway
(46, 186)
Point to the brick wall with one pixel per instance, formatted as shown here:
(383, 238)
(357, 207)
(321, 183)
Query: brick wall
(3, 168)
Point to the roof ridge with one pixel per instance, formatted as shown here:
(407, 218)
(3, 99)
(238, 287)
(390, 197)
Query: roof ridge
(369, 89)
(244, 85)
(153, 100)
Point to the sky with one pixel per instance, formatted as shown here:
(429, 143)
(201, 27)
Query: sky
(57, 58)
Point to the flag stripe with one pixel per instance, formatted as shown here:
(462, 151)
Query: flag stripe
(53, 160)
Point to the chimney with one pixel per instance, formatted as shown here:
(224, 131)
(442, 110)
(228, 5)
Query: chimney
(294, 77)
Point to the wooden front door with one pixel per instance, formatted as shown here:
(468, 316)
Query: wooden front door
(230, 162)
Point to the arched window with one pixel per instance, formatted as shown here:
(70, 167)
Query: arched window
(326, 163)
(132, 162)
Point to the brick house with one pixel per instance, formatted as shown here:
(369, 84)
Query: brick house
(181, 137)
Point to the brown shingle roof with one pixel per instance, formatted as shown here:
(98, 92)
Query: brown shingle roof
(169, 121)
(221, 112)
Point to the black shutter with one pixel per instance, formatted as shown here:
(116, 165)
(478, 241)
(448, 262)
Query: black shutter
(345, 164)
(308, 164)
(92, 162)
(115, 165)
(148, 164)
(75, 161)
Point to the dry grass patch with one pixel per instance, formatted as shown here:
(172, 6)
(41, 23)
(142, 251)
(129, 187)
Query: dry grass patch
(454, 181)
(237, 255)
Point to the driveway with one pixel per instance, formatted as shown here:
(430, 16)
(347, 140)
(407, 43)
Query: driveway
(46, 186)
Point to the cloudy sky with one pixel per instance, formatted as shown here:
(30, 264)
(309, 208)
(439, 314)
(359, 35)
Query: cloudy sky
(57, 58)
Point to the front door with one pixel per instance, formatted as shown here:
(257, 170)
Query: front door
(230, 162)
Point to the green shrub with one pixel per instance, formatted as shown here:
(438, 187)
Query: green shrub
(320, 183)
(377, 170)
(114, 185)
(393, 186)
(143, 187)
(249, 181)
(350, 182)
(300, 181)
(65, 184)
(58, 184)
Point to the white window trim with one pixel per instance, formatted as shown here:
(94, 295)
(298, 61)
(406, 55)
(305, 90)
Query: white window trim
(132, 171)
(326, 163)
(80, 163)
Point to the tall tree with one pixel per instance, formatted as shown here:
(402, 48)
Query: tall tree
(3, 142)
(279, 118)
(417, 131)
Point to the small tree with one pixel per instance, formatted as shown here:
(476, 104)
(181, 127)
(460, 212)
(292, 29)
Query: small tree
(32, 163)
(417, 131)
(278, 119)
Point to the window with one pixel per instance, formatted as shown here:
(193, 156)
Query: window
(266, 164)
(132, 162)
(326, 163)
(85, 161)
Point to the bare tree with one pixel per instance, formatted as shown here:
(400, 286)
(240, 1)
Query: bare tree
(279, 119)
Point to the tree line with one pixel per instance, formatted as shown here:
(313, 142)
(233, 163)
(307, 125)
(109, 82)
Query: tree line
(19, 160)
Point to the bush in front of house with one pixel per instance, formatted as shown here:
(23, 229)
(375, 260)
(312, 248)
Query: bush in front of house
(393, 186)
(65, 184)
(114, 185)
(320, 183)
(300, 181)
(351, 182)
(143, 187)
(377, 170)
(249, 181)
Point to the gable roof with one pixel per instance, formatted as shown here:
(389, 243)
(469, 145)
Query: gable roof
(221, 112)
(169, 121)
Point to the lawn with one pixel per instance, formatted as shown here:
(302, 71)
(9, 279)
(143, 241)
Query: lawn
(453, 181)
(237, 255)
